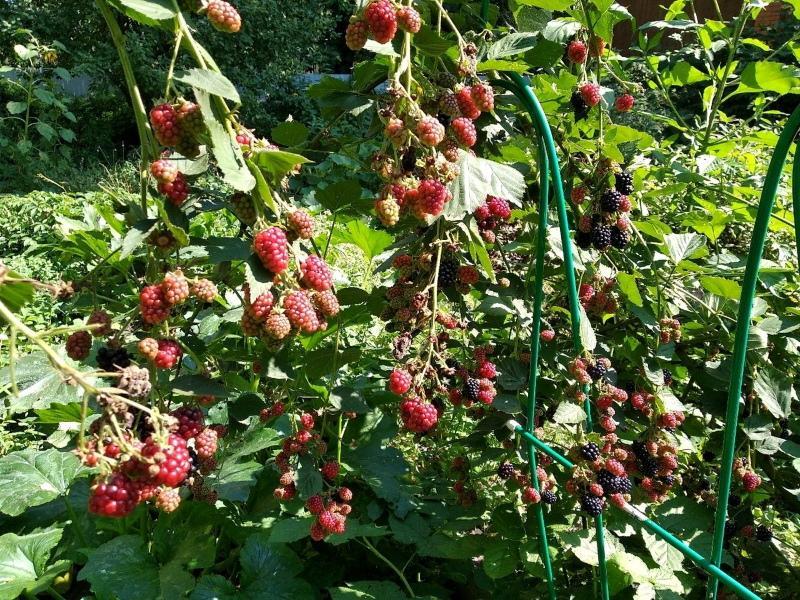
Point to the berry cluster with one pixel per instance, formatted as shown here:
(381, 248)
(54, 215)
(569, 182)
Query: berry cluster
(600, 476)
(287, 305)
(749, 478)
(330, 506)
(178, 125)
(477, 382)
(669, 330)
(588, 94)
(491, 213)
(164, 353)
(157, 300)
(604, 220)
(380, 21)
(149, 462)
(599, 297)
(463, 487)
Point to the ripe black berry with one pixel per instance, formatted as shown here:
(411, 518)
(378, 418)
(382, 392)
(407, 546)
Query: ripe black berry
(730, 529)
(648, 465)
(596, 371)
(579, 105)
(734, 500)
(448, 272)
(639, 448)
(667, 377)
(763, 533)
(109, 359)
(590, 451)
(668, 480)
(505, 470)
(606, 479)
(622, 485)
(624, 183)
(601, 237)
(549, 497)
(592, 505)
(583, 239)
(472, 388)
(609, 201)
(620, 239)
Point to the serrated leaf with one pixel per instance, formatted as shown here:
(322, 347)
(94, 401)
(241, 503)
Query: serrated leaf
(370, 241)
(309, 478)
(136, 235)
(23, 562)
(209, 81)
(588, 338)
(225, 149)
(158, 10)
(368, 590)
(15, 295)
(197, 385)
(774, 390)
(262, 559)
(681, 246)
(123, 569)
(719, 286)
(511, 44)
(33, 477)
(569, 413)
(234, 479)
(500, 559)
(628, 287)
(479, 178)
(15, 107)
(547, 4)
(290, 133)
(278, 163)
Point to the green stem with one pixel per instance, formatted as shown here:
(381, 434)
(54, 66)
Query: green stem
(741, 20)
(149, 147)
(391, 565)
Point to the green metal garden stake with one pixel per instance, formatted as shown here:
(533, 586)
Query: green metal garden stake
(745, 315)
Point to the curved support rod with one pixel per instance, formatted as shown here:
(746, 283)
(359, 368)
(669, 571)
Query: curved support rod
(522, 90)
(768, 195)
(647, 523)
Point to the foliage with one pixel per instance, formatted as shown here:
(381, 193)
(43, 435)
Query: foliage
(389, 414)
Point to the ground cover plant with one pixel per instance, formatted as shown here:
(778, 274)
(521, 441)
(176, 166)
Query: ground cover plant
(284, 365)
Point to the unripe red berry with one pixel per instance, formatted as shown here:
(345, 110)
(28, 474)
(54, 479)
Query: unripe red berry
(153, 305)
(223, 16)
(464, 131)
(356, 35)
(176, 191)
(624, 103)
(316, 274)
(79, 344)
(300, 312)
(466, 104)
(577, 52)
(590, 92)
(169, 354)
(430, 131)
(483, 96)
(277, 326)
(330, 470)
(272, 249)
(302, 224)
(163, 170)
(382, 20)
(408, 19)
(400, 381)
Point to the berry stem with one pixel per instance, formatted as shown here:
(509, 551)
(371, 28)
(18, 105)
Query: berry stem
(149, 148)
(364, 541)
(175, 52)
(443, 14)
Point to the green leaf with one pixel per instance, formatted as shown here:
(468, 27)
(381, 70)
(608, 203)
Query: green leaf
(23, 562)
(502, 65)
(722, 287)
(214, 587)
(547, 4)
(60, 413)
(588, 338)
(371, 241)
(683, 74)
(681, 246)
(479, 178)
(234, 480)
(224, 147)
(123, 569)
(414, 529)
(368, 590)
(197, 385)
(569, 413)
(46, 131)
(157, 10)
(427, 41)
(309, 479)
(339, 195)
(212, 82)
(14, 107)
(511, 44)
(278, 163)
(290, 133)
(561, 30)
(628, 287)
(261, 559)
(500, 559)
(507, 521)
(33, 477)
(290, 530)
(768, 76)
(136, 235)
(15, 294)
(774, 390)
